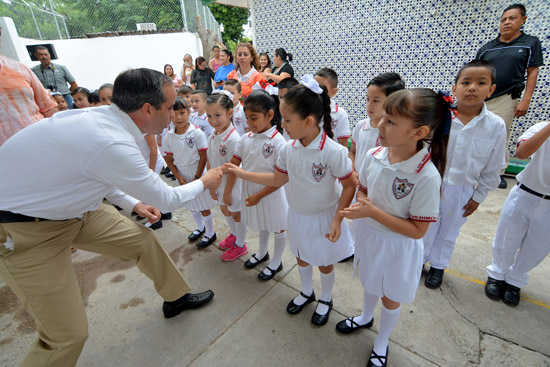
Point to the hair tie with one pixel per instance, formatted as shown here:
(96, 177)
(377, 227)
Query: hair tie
(450, 112)
(310, 83)
(224, 92)
(268, 87)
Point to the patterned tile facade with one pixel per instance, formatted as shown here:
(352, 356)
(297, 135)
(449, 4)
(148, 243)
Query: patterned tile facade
(426, 41)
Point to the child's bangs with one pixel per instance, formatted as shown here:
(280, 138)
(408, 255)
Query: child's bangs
(399, 104)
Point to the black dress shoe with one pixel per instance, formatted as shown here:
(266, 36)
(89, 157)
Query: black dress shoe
(249, 264)
(342, 326)
(117, 207)
(382, 360)
(494, 289)
(133, 213)
(170, 175)
(187, 302)
(166, 216)
(139, 217)
(434, 278)
(320, 320)
(205, 241)
(264, 276)
(155, 226)
(294, 309)
(165, 170)
(347, 259)
(196, 234)
(503, 184)
(511, 295)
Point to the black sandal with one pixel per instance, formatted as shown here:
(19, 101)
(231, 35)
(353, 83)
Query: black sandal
(381, 359)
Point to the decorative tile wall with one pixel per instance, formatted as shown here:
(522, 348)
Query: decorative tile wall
(426, 41)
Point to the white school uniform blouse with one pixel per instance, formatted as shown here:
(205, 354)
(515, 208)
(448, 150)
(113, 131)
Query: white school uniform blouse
(202, 123)
(365, 137)
(185, 148)
(260, 150)
(476, 153)
(62, 167)
(340, 121)
(221, 149)
(239, 119)
(313, 172)
(536, 175)
(408, 189)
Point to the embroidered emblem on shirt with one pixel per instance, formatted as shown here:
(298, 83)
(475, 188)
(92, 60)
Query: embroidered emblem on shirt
(237, 121)
(334, 123)
(190, 141)
(319, 171)
(223, 150)
(401, 188)
(268, 150)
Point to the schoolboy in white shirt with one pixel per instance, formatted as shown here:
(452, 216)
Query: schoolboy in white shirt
(200, 120)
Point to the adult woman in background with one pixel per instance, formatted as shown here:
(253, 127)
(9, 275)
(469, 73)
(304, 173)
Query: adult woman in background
(187, 69)
(265, 63)
(169, 72)
(282, 67)
(201, 77)
(226, 57)
(246, 72)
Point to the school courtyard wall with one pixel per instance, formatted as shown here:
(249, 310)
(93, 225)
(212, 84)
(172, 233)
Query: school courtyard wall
(425, 41)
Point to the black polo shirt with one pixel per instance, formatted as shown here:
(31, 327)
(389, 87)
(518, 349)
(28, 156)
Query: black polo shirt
(203, 79)
(285, 68)
(511, 60)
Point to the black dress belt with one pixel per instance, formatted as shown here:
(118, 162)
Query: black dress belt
(9, 217)
(523, 187)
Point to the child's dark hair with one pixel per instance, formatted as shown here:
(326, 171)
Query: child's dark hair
(220, 99)
(304, 102)
(93, 98)
(425, 108)
(330, 74)
(285, 56)
(263, 102)
(199, 60)
(201, 93)
(229, 54)
(520, 7)
(105, 86)
(234, 83)
(81, 90)
(388, 82)
(185, 89)
(478, 63)
(180, 104)
(287, 83)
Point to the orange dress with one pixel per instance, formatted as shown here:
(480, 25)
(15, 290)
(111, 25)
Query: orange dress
(246, 87)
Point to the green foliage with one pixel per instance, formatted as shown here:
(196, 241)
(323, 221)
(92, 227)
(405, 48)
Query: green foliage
(232, 19)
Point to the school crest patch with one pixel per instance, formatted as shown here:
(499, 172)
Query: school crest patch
(223, 150)
(319, 171)
(190, 141)
(268, 150)
(401, 188)
(237, 121)
(334, 123)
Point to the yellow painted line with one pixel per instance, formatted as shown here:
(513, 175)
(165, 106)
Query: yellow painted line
(525, 297)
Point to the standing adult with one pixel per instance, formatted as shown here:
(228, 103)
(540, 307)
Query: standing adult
(187, 69)
(215, 62)
(223, 71)
(512, 53)
(246, 72)
(202, 76)
(23, 99)
(54, 77)
(55, 174)
(169, 72)
(282, 67)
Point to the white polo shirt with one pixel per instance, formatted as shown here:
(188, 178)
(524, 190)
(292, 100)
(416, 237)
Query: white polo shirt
(185, 148)
(408, 189)
(259, 152)
(239, 119)
(313, 172)
(476, 153)
(202, 123)
(221, 148)
(365, 137)
(62, 167)
(536, 175)
(340, 122)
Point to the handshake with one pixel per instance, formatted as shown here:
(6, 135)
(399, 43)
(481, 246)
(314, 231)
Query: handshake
(213, 177)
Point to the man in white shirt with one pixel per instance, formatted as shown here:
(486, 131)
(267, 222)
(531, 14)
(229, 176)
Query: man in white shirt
(55, 174)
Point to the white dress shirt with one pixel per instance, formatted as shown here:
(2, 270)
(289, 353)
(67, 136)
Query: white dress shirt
(536, 175)
(62, 167)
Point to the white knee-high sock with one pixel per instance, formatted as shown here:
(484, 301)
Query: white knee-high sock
(209, 224)
(327, 284)
(241, 234)
(306, 276)
(264, 242)
(370, 301)
(278, 249)
(232, 225)
(198, 220)
(388, 319)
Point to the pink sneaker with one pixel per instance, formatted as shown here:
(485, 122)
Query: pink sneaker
(234, 252)
(228, 241)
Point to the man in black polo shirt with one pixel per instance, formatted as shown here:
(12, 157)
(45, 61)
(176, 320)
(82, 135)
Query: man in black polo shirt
(512, 53)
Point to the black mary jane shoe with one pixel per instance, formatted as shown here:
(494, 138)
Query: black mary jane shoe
(196, 234)
(265, 277)
(187, 302)
(342, 326)
(320, 320)
(294, 309)
(383, 360)
(205, 241)
(250, 265)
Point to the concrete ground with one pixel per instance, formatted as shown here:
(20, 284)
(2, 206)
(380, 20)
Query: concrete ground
(246, 324)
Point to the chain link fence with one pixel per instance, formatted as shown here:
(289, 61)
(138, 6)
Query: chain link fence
(58, 19)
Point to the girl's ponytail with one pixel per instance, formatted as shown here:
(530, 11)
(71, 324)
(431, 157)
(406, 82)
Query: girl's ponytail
(327, 118)
(440, 137)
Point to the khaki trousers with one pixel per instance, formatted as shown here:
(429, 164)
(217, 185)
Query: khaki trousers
(504, 106)
(40, 272)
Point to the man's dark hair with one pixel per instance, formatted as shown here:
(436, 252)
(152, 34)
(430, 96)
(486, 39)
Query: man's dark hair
(135, 87)
(478, 63)
(521, 8)
(40, 48)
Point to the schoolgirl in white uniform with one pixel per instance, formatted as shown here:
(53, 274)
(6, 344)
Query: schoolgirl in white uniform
(265, 207)
(398, 198)
(475, 156)
(221, 146)
(312, 163)
(521, 241)
(185, 148)
(199, 117)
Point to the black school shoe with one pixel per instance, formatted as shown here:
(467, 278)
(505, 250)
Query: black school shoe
(263, 276)
(157, 225)
(196, 234)
(165, 170)
(250, 265)
(187, 302)
(205, 241)
(434, 278)
(294, 309)
(511, 295)
(494, 289)
(320, 320)
(342, 326)
(503, 184)
(166, 216)
(383, 360)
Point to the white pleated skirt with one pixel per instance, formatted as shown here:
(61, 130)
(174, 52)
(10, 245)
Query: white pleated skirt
(389, 263)
(202, 202)
(235, 196)
(308, 242)
(270, 214)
